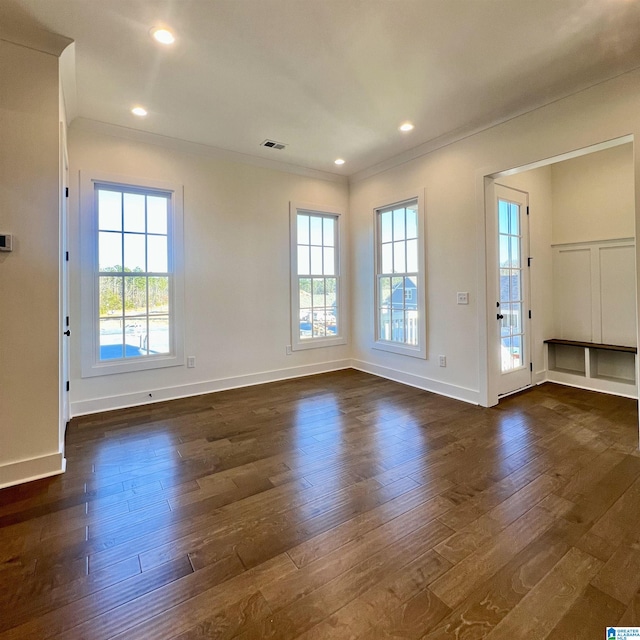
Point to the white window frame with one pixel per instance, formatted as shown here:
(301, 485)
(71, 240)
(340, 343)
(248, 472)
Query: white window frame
(419, 350)
(91, 365)
(297, 343)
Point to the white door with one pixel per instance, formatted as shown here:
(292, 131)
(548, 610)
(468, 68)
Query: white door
(512, 304)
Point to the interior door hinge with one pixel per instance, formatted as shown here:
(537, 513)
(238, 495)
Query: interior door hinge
(529, 314)
(529, 261)
(527, 209)
(531, 367)
(66, 195)
(66, 256)
(67, 385)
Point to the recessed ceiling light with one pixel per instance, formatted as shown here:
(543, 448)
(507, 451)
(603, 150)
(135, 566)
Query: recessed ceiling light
(163, 36)
(339, 161)
(141, 112)
(406, 126)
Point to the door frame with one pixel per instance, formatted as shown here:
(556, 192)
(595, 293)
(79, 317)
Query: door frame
(485, 179)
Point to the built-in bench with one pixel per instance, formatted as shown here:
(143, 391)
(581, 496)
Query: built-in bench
(610, 368)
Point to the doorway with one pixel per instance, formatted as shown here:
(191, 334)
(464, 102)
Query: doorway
(583, 200)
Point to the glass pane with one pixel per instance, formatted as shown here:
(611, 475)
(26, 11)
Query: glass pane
(397, 325)
(399, 262)
(515, 318)
(158, 335)
(412, 256)
(134, 212)
(514, 219)
(135, 295)
(316, 260)
(505, 355)
(157, 214)
(318, 325)
(111, 338)
(318, 292)
(303, 261)
(316, 230)
(329, 261)
(134, 253)
(109, 210)
(157, 258)
(303, 229)
(397, 293)
(385, 324)
(504, 251)
(412, 222)
(505, 292)
(515, 251)
(503, 217)
(385, 292)
(515, 284)
(328, 236)
(410, 293)
(159, 295)
(110, 251)
(135, 337)
(331, 293)
(306, 326)
(386, 219)
(332, 322)
(304, 287)
(110, 295)
(505, 327)
(398, 224)
(411, 320)
(387, 258)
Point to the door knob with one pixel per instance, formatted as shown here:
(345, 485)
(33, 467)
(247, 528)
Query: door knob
(499, 316)
(67, 332)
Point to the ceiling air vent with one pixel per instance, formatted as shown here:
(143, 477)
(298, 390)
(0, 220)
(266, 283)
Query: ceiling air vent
(272, 144)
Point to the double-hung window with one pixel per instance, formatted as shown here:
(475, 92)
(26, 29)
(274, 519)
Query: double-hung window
(317, 315)
(131, 293)
(400, 324)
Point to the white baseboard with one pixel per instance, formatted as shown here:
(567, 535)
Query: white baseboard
(426, 384)
(32, 469)
(96, 405)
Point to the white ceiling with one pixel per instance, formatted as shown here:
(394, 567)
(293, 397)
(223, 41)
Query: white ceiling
(333, 78)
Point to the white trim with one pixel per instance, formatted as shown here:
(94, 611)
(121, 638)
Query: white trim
(419, 351)
(297, 344)
(88, 251)
(123, 401)
(456, 392)
(195, 148)
(32, 469)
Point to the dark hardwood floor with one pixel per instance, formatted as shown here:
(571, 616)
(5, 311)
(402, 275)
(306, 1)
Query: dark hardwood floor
(334, 506)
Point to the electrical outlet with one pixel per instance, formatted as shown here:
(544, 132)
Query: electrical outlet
(191, 362)
(288, 350)
(442, 360)
(463, 297)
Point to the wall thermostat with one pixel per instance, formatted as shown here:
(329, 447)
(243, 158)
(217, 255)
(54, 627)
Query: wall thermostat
(5, 242)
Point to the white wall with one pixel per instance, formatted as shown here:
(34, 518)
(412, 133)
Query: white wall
(453, 178)
(236, 225)
(29, 435)
(593, 196)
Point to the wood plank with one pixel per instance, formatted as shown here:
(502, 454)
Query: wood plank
(550, 600)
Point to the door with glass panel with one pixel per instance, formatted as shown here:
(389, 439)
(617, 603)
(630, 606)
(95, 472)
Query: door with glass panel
(512, 306)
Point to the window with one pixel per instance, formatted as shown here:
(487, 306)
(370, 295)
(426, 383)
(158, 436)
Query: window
(131, 288)
(317, 316)
(400, 313)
